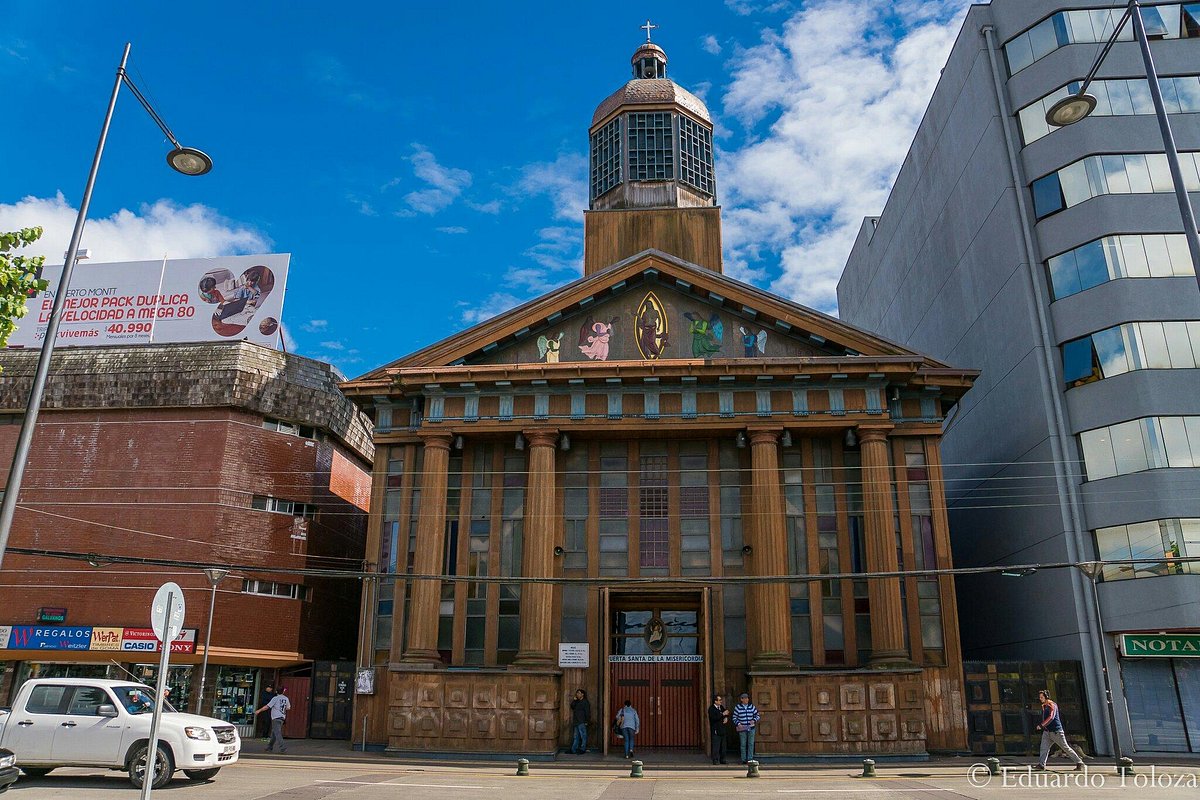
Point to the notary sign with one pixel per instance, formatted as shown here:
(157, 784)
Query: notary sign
(1160, 645)
(574, 655)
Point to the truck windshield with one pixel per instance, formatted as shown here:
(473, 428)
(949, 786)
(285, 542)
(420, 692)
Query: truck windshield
(138, 699)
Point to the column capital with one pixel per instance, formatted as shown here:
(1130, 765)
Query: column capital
(541, 437)
(873, 433)
(764, 435)
(436, 439)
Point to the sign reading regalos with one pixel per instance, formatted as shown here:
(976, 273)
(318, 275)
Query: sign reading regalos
(171, 300)
(63, 637)
(1160, 645)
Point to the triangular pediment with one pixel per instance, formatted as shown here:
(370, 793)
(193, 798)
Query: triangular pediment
(651, 307)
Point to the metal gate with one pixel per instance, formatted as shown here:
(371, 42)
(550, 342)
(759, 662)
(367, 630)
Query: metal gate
(666, 696)
(333, 700)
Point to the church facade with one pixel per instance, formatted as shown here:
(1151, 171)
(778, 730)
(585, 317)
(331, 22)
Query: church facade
(656, 483)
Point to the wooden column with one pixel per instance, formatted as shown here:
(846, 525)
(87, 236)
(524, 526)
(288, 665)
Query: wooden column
(431, 535)
(537, 604)
(768, 612)
(887, 612)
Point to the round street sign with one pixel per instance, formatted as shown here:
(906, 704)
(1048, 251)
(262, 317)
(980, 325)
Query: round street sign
(167, 622)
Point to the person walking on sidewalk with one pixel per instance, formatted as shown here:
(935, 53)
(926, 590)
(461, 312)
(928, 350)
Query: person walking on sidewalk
(581, 715)
(718, 718)
(629, 722)
(279, 706)
(1052, 733)
(745, 719)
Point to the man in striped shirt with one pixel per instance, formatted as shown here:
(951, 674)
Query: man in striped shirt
(745, 719)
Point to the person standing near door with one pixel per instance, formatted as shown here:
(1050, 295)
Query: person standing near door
(718, 718)
(745, 719)
(1052, 733)
(279, 708)
(263, 729)
(581, 715)
(629, 722)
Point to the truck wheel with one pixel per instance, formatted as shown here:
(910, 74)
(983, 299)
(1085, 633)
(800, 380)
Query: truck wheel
(36, 772)
(201, 774)
(162, 767)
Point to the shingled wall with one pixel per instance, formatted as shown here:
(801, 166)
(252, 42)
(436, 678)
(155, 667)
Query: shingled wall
(199, 375)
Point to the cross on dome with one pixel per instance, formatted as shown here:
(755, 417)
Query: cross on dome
(649, 26)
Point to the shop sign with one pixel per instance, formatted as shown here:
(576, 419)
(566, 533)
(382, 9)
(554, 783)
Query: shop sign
(63, 637)
(658, 659)
(574, 655)
(1160, 645)
(49, 637)
(58, 615)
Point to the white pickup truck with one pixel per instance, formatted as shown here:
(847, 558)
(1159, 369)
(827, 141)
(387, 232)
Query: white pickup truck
(79, 722)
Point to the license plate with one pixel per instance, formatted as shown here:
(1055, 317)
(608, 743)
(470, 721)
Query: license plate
(230, 748)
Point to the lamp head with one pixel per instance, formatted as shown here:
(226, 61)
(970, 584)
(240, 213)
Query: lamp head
(1071, 109)
(189, 161)
(215, 575)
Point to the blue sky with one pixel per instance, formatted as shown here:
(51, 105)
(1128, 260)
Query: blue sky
(425, 165)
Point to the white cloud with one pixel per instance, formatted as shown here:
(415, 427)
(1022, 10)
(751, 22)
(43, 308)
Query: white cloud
(163, 228)
(710, 45)
(315, 325)
(745, 8)
(493, 304)
(564, 180)
(490, 207)
(289, 343)
(333, 345)
(453, 229)
(331, 75)
(830, 103)
(445, 184)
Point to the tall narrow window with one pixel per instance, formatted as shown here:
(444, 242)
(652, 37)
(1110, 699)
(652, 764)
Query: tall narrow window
(478, 551)
(732, 477)
(654, 536)
(695, 155)
(852, 463)
(651, 146)
(614, 508)
(827, 547)
(929, 601)
(450, 556)
(512, 528)
(694, 541)
(606, 158)
(797, 544)
(575, 507)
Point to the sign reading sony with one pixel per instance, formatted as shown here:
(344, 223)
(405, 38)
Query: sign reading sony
(1160, 645)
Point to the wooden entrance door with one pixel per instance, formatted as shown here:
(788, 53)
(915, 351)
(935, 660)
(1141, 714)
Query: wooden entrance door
(667, 699)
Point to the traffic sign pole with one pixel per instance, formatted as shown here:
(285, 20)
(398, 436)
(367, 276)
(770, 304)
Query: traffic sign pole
(166, 617)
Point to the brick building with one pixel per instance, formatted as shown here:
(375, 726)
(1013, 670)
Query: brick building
(227, 453)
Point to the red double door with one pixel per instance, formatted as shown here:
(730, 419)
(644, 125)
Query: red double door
(667, 698)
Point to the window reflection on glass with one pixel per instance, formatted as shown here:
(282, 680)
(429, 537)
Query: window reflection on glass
(1132, 346)
(1093, 176)
(1141, 444)
(1156, 545)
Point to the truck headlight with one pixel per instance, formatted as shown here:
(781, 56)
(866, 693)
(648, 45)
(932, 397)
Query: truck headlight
(7, 761)
(197, 733)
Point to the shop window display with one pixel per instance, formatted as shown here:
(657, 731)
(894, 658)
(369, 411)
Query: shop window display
(236, 691)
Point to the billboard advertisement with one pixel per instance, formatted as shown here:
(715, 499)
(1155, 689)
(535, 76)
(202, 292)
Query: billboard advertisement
(171, 300)
(87, 637)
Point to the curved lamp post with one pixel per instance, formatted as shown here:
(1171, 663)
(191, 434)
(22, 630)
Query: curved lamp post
(215, 575)
(186, 160)
(1075, 107)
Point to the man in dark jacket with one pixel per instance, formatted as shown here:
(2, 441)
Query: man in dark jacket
(581, 715)
(718, 718)
(262, 727)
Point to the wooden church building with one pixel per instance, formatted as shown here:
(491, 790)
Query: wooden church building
(617, 475)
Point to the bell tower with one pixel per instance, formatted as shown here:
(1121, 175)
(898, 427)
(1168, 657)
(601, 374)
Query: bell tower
(651, 177)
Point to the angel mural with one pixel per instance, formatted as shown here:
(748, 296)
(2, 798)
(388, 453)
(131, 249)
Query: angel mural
(548, 349)
(706, 334)
(651, 322)
(593, 338)
(753, 341)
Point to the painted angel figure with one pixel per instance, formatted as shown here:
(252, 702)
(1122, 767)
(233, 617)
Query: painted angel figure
(753, 341)
(706, 334)
(548, 349)
(593, 338)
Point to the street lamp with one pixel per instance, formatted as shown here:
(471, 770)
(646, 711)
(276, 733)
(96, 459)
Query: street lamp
(215, 576)
(1094, 569)
(186, 160)
(1075, 107)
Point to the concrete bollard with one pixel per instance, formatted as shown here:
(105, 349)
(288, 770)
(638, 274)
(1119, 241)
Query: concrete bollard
(635, 770)
(993, 766)
(751, 769)
(868, 768)
(522, 766)
(1125, 766)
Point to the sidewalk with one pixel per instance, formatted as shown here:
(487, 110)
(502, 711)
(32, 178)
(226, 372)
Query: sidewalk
(338, 751)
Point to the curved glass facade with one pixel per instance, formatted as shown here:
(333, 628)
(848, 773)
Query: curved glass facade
(1132, 346)
(1131, 173)
(1141, 444)
(1137, 255)
(1117, 97)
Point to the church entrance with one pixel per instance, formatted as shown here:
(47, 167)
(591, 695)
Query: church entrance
(656, 661)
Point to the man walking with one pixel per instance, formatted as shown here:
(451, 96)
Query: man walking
(279, 706)
(745, 719)
(1052, 733)
(718, 718)
(581, 715)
